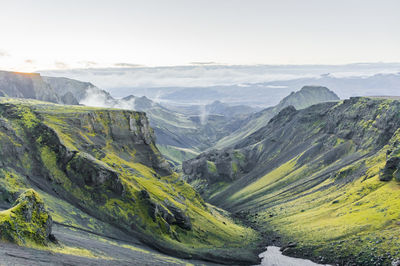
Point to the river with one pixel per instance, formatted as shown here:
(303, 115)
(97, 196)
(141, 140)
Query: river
(273, 257)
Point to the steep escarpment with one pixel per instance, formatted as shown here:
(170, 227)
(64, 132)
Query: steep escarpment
(26, 85)
(324, 177)
(104, 162)
(72, 91)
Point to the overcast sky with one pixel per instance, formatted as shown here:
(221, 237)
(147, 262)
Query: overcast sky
(56, 34)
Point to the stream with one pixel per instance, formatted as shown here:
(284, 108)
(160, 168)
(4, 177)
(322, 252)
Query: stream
(273, 257)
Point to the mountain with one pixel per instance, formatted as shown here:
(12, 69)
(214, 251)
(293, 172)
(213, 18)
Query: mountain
(251, 85)
(324, 179)
(214, 108)
(307, 96)
(79, 90)
(219, 108)
(50, 89)
(26, 85)
(99, 171)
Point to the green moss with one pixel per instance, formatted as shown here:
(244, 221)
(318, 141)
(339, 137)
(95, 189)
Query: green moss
(26, 221)
(211, 167)
(235, 167)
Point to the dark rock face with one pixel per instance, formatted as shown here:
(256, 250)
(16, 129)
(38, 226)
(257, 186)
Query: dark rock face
(27, 220)
(167, 210)
(390, 170)
(181, 219)
(94, 172)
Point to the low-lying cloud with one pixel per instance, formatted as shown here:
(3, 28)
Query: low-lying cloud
(134, 76)
(98, 98)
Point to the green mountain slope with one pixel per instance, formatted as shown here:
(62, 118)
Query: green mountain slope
(103, 164)
(307, 96)
(325, 177)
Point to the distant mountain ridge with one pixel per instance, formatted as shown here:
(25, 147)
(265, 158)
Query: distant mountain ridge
(307, 96)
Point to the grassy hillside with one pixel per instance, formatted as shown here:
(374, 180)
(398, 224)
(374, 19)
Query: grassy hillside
(326, 177)
(103, 163)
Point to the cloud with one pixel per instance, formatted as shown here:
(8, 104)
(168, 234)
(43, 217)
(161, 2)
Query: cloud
(127, 65)
(3, 53)
(60, 65)
(180, 76)
(29, 61)
(98, 98)
(202, 63)
(210, 75)
(88, 64)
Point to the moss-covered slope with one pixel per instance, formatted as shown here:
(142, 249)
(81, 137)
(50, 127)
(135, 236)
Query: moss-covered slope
(325, 177)
(26, 221)
(104, 162)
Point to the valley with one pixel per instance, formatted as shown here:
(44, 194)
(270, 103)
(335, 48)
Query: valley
(200, 132)
(132, 180)
(323, 178)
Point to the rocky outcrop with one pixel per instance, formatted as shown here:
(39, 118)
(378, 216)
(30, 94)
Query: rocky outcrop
(169, 212)
(391, 170)
(216, 166)
(94, 172)
(27, 220)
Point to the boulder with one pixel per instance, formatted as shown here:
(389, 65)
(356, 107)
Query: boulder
(396, 262)
(391, 167)
(26, 221)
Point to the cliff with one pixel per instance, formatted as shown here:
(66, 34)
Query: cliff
(26, 85)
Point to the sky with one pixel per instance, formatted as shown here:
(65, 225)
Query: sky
(58, 34)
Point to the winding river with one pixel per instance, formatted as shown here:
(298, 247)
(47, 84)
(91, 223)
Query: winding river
(273, 257)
